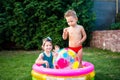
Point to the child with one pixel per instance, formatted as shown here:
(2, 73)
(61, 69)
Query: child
(56, 48)
(46, 57)
(76, 34)
(56, 51)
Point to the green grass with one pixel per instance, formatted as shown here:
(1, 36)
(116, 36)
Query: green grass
(17, 65)
(107, 63)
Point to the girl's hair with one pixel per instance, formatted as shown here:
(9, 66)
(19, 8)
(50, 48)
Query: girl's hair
(48, 39)
(70, 13)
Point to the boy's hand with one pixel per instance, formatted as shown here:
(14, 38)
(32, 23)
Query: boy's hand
(65, 31)
(79, 42)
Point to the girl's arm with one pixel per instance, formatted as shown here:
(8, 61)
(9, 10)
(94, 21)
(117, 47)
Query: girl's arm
(40, 60)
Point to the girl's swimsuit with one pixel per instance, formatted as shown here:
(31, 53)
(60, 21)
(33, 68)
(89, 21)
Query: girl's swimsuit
(76, 49)
(49, 59)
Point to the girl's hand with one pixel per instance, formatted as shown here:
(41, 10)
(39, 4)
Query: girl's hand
(47, 64)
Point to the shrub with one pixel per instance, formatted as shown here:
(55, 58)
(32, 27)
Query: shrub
(27, 22)
(115, 26)
(118, 18)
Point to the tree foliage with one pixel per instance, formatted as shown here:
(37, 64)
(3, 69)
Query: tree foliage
(26, 22)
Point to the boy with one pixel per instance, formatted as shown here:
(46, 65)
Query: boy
(76, 34)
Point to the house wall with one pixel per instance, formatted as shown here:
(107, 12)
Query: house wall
(119, 6)
(105, 11)
(106, 39)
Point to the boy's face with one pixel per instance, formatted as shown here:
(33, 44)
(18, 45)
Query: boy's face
(72, 21)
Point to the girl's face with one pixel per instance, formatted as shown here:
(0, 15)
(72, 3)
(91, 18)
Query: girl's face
(47, 46)
(72, 21)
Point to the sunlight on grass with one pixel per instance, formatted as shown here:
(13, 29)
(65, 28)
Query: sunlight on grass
(106, 63)
(17, 65)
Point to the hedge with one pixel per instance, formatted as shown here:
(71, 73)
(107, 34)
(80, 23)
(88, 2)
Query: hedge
(24, 23)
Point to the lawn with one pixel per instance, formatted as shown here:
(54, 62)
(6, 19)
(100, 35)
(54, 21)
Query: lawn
(17, 65)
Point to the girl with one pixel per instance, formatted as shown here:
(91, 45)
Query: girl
(46, 57)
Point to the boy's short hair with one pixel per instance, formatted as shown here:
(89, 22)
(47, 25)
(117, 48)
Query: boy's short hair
(70, 13)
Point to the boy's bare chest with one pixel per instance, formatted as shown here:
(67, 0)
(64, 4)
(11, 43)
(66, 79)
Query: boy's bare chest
(74, 32)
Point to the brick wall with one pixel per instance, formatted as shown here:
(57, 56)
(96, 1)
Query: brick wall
(107, 39)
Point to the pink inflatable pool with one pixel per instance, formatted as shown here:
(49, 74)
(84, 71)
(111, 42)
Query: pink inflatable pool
(85, 73)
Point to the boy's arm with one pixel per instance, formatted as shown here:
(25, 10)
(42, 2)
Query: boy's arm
(84, 36)
(65, 34)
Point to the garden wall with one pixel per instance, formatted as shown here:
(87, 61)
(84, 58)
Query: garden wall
(107, 39)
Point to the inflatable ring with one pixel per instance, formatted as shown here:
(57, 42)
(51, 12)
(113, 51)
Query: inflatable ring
(85, 73)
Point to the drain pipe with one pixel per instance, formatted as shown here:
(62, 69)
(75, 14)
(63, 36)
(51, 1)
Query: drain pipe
(116, 7)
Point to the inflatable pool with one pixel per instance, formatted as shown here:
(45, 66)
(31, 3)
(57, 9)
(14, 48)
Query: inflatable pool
(86, 73)
(65, 68)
